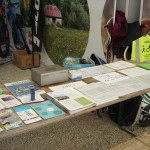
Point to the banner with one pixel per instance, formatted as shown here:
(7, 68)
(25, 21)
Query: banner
(37, 24)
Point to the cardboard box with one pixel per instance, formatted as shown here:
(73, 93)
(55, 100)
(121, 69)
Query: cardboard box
(49, 75)
(24, 60)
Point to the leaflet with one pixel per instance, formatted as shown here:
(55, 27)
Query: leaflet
(111, 77)
(76, 84)
(98, 92)
(9, 101)
(27, 114)
(71, 99)
(134, 72)
(119, 65)
(21, 90)
(94, 71)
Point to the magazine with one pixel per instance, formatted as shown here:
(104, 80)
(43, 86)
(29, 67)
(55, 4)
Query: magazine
(22, 89)
(9, 101)
(27, 114)
(9, 119)
(71, 100)
(47, 109)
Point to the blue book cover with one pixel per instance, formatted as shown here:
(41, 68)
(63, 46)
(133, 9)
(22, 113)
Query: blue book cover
(47, 109)
(21, 88)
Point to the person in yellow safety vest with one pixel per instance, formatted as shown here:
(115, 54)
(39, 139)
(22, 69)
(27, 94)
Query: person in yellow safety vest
(141, 50)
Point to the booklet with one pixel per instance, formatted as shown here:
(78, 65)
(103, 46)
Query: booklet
(9, 119)
(22, 90)
(9, 101)
(47, 109)
(71, 100)
(27, 114)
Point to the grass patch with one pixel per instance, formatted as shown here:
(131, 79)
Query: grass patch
(60, 43)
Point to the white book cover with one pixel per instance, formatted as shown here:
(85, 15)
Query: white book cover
(9, 101)
(71, 99)
(27, 114)
(119, 65)
(22, 89)
(76, 84)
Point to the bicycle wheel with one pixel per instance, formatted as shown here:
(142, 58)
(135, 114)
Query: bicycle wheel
(4, 40)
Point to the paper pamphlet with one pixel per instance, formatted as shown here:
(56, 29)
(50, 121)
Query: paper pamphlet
(21, 90)
(9, 119)
(76, 84)
(71, 99)
(27, 114)
(119, 65)
(98, 92)
(9, 101)
(47, 109)
(134, 72)
(111, 77)
(93, 71)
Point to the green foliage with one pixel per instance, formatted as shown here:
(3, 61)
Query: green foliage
(60, 43)
(74, 12)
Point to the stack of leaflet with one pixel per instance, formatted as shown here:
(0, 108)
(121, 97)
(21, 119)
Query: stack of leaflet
(71, 100)
(21, 90)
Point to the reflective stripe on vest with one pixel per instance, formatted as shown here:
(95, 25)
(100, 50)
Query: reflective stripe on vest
(141, 49)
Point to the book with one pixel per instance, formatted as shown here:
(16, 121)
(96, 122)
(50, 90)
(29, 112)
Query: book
(27, 114)
(21, 90)
(71, 100)
(47, 109)
(9, 119)
(9, 101)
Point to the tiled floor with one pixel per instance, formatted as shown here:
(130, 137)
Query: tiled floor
(141, 142)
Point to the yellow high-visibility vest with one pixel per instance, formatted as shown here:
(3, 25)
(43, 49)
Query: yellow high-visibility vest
(141, 49)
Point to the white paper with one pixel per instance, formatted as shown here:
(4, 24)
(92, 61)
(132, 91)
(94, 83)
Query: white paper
(76, 84)
(111, 77)
(120, 65)
(98, 92)
(9, 101)
(71, 99)
(27, 99)
(134, 72)
(93, 71)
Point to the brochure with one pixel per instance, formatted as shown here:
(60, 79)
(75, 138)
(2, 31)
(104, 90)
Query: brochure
(22, 89)
(27, 114)
(71, 100)
(47, 109)
(9, 119)
(9, 101)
